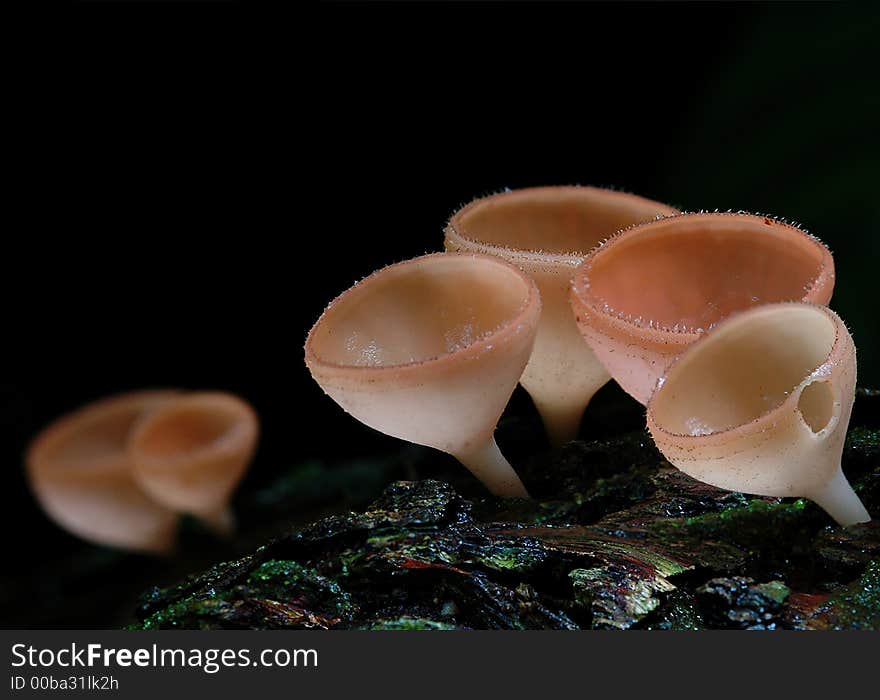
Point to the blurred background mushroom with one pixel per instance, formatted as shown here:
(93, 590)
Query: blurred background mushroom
(190, 454)
(81, 472)
(120, 471)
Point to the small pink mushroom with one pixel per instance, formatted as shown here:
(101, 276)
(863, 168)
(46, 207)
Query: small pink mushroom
(653, 289)
(547, 231)
(430, 350)
(190, 453)
(761, 404)
(80, 471)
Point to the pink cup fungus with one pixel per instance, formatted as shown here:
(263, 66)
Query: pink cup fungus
(189, 454)
(652, 290)
(120, 471)
(80, 471)
(761, 404)
(429, 350)
(546, 232)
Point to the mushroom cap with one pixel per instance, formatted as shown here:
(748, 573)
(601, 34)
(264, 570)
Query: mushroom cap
(548, 226)
(654, 288)
(547, 231)
(80, 472)
(428, 350)
(761, 403)
(190, 453)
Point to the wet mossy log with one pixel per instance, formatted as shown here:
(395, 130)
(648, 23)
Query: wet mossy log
(616, 539)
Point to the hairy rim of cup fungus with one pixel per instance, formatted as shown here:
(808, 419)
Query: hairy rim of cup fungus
(189, 454)
(80, 471)
(652, 290)
(429, 350)
(761, 404)
(547, 231)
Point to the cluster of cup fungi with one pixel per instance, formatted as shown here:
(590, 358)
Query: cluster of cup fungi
(716, 322)
(123, 470)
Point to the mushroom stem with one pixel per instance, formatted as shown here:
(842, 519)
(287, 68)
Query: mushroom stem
(490, 466)
(839, 500)
(562, 421)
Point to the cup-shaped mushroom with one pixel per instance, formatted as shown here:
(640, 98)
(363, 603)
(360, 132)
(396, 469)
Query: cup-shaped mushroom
(547, 231)
(190, 453)
(81, 473)
(653, 289)
(761, 404)
(429, 350)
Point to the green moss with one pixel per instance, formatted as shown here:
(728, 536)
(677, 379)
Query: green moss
(519, 558)
(744, 525)
(774, 590)
(410, 623)
(383, 540)
(678, 612)
(306, 592)
(857, 606)
(349, 562)
(285, 580)
(189, 613)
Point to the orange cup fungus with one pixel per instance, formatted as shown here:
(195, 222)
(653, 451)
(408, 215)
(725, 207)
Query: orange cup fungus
(191, 453)
(80, 472)
(653, 289)
(546, 232)
(429, 350)
(104, 471)
(761, 404)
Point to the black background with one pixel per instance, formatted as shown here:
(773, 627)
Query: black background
(193, 184)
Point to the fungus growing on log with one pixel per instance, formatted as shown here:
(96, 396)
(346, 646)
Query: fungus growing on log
(80, 471)
(653, 289)
(429, 350)
(190, 453)
(547, 231)
(761, 404)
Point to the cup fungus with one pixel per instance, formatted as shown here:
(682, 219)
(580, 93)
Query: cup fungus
(80, 471)
(429, 350)
(189, 454)
(761, 404)
(547, 231)
(652, 290)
